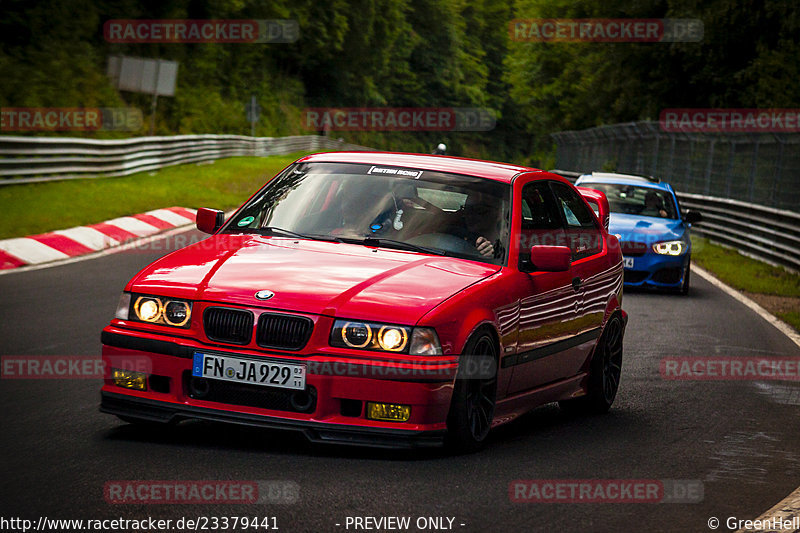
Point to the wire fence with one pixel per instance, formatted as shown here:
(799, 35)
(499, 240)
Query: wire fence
(758, 168)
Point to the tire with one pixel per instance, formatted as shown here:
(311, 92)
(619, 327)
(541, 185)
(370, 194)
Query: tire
(685, 284)
(604, 374)
(472, 407)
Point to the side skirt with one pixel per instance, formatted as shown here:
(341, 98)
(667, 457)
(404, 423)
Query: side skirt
(511, 407)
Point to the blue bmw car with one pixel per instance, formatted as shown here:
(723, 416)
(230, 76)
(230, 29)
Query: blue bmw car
(653, 232)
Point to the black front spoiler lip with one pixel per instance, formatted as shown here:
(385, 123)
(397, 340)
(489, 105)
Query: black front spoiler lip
(152, 410)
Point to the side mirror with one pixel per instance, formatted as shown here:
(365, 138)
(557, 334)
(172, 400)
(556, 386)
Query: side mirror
(209, 220)
(692, 217)
(599, 203)
(549, 259)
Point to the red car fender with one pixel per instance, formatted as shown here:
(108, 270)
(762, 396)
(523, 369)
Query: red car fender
(454, 327)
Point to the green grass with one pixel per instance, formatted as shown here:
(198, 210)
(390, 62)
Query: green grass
(790, 317)
(29, 209)
(742, 272)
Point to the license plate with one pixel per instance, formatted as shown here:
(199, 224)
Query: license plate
(627, 262)
(251, 371)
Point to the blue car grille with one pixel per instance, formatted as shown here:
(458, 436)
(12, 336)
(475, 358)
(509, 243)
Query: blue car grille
(635, 276)
(632, 248)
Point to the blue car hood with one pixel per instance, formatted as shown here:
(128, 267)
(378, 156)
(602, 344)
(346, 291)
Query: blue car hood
(645, 229)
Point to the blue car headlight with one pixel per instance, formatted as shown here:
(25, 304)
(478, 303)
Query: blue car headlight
(669, 247)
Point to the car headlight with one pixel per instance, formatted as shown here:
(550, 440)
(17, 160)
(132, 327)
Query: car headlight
(124, 306)
(425, 341)
(669, 247)
(155, 310)
(384, 337)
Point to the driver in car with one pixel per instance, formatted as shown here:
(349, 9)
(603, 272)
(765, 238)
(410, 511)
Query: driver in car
(479, 224)
(653, 205)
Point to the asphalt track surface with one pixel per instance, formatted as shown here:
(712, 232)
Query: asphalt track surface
(741, 439)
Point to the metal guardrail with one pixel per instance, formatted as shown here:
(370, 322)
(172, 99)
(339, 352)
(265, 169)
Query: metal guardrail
(36, 159)
(766, 233)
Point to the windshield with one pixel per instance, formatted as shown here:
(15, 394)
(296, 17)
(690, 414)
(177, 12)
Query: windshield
(633, 200)
(450, 214)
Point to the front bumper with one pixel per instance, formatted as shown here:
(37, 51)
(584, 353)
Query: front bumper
(157, 411)
(339, 386)
(651, 270)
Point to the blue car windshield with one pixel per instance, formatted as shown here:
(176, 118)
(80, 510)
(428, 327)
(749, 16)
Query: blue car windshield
(633, 200)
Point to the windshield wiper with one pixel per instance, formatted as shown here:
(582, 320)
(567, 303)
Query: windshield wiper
(391, 243)
(272, 230)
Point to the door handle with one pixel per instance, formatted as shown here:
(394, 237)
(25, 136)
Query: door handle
(576, 284)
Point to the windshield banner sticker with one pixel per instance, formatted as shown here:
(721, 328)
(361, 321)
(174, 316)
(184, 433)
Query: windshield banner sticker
(416, 174)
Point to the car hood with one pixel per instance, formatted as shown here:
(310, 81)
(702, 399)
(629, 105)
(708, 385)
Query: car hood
(335, 279)
(645, 229)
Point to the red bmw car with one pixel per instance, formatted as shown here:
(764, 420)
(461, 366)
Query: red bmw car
(380, 299)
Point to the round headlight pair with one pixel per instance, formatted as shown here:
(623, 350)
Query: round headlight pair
(154, 310)
(360, 335)
(669, 248)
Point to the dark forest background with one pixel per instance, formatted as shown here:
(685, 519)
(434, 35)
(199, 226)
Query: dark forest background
(410, 53)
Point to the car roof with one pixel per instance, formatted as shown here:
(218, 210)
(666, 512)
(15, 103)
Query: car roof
(503, 172)
(623, 179)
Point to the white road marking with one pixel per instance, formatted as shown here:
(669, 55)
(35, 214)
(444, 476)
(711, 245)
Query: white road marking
(65, 260)
(31, 251)
(782, 326)
(133, 225)
(89, 237)
(168, 216)
(788, 508)
(785, 514)
(108, 251)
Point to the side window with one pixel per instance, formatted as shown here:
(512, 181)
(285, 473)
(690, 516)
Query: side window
(538, 211)
(576, 212)
(541, 220)
(583, 234)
